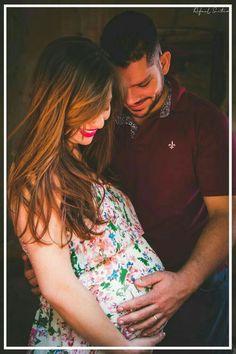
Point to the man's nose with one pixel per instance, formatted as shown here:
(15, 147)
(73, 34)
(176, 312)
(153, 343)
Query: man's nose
(131, 97)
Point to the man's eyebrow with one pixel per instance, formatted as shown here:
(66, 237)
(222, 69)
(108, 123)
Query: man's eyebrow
(144, 81)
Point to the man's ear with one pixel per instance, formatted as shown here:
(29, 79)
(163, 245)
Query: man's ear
(165, 59)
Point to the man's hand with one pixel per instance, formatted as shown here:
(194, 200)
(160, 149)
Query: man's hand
(171, 290)
(30, 276)
(151, 311)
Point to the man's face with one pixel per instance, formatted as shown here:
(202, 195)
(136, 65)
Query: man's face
(143, 84)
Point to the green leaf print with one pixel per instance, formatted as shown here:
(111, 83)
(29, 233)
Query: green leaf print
(99, 198)
(37, 341)
(127, 218)
(112, 226)
(57, 351)
(51, 330)
(154, 269)
(74, 262)
(122, 291)
(143, 260)
(118, 246)
(42, 321)
(105, 285)
(109, 315)
(73, 257)
(123, 275)
(137, 247)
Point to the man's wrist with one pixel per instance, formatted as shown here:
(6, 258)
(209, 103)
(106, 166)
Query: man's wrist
(190, 281)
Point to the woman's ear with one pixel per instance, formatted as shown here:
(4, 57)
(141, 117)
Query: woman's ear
(165, 59)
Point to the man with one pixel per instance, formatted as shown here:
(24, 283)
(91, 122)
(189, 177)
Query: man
(171, 155)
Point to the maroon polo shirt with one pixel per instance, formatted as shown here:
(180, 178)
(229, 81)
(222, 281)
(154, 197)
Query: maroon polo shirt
(166, 166)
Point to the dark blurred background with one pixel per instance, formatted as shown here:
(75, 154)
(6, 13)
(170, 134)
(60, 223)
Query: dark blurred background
(199, 46)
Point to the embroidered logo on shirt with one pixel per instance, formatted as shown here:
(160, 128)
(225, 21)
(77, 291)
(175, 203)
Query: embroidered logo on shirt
(172, 145)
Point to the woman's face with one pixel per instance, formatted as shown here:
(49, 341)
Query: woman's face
(85, 134)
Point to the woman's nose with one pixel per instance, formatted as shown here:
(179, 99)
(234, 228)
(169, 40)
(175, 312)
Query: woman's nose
(106, 115)
(100, 121)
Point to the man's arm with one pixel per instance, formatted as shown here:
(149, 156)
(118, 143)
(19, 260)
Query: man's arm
(171, 290)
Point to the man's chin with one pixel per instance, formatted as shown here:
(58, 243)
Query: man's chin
(138, 114)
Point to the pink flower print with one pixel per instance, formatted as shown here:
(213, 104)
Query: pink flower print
(108, 261)
(94, 289)
(33, 335)
(106, 298)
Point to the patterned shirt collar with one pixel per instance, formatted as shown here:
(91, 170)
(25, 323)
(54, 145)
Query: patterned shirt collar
(125, 117)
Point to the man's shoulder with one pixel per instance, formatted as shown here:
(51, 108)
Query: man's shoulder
(201, 108)
(191, 104)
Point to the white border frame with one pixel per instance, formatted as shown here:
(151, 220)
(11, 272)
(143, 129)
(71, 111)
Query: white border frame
(229, 6)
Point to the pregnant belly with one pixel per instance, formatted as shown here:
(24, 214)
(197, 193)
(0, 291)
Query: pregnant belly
(112, 282)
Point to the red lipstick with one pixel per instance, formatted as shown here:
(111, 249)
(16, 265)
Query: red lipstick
(88, 133)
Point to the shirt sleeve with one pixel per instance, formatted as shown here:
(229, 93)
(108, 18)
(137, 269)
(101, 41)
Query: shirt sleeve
(212, 154)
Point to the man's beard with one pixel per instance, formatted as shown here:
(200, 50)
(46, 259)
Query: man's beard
(153, 104)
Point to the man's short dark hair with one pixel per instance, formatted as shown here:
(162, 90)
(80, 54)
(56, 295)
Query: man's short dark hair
(127, 37)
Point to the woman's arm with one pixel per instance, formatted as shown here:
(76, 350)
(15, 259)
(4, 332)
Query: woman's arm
(76, 305)
(66, 293)
(63, 290)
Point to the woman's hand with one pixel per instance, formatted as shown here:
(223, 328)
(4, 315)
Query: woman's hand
(140, 342)
(146, 342)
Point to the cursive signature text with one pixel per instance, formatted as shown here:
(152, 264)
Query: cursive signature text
(210, 10)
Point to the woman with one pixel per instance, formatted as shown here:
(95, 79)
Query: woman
(81, 234)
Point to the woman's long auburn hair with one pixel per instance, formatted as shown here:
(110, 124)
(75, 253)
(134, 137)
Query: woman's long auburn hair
(70, 87)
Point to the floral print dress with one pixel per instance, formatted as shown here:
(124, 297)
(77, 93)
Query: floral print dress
(107, 265)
